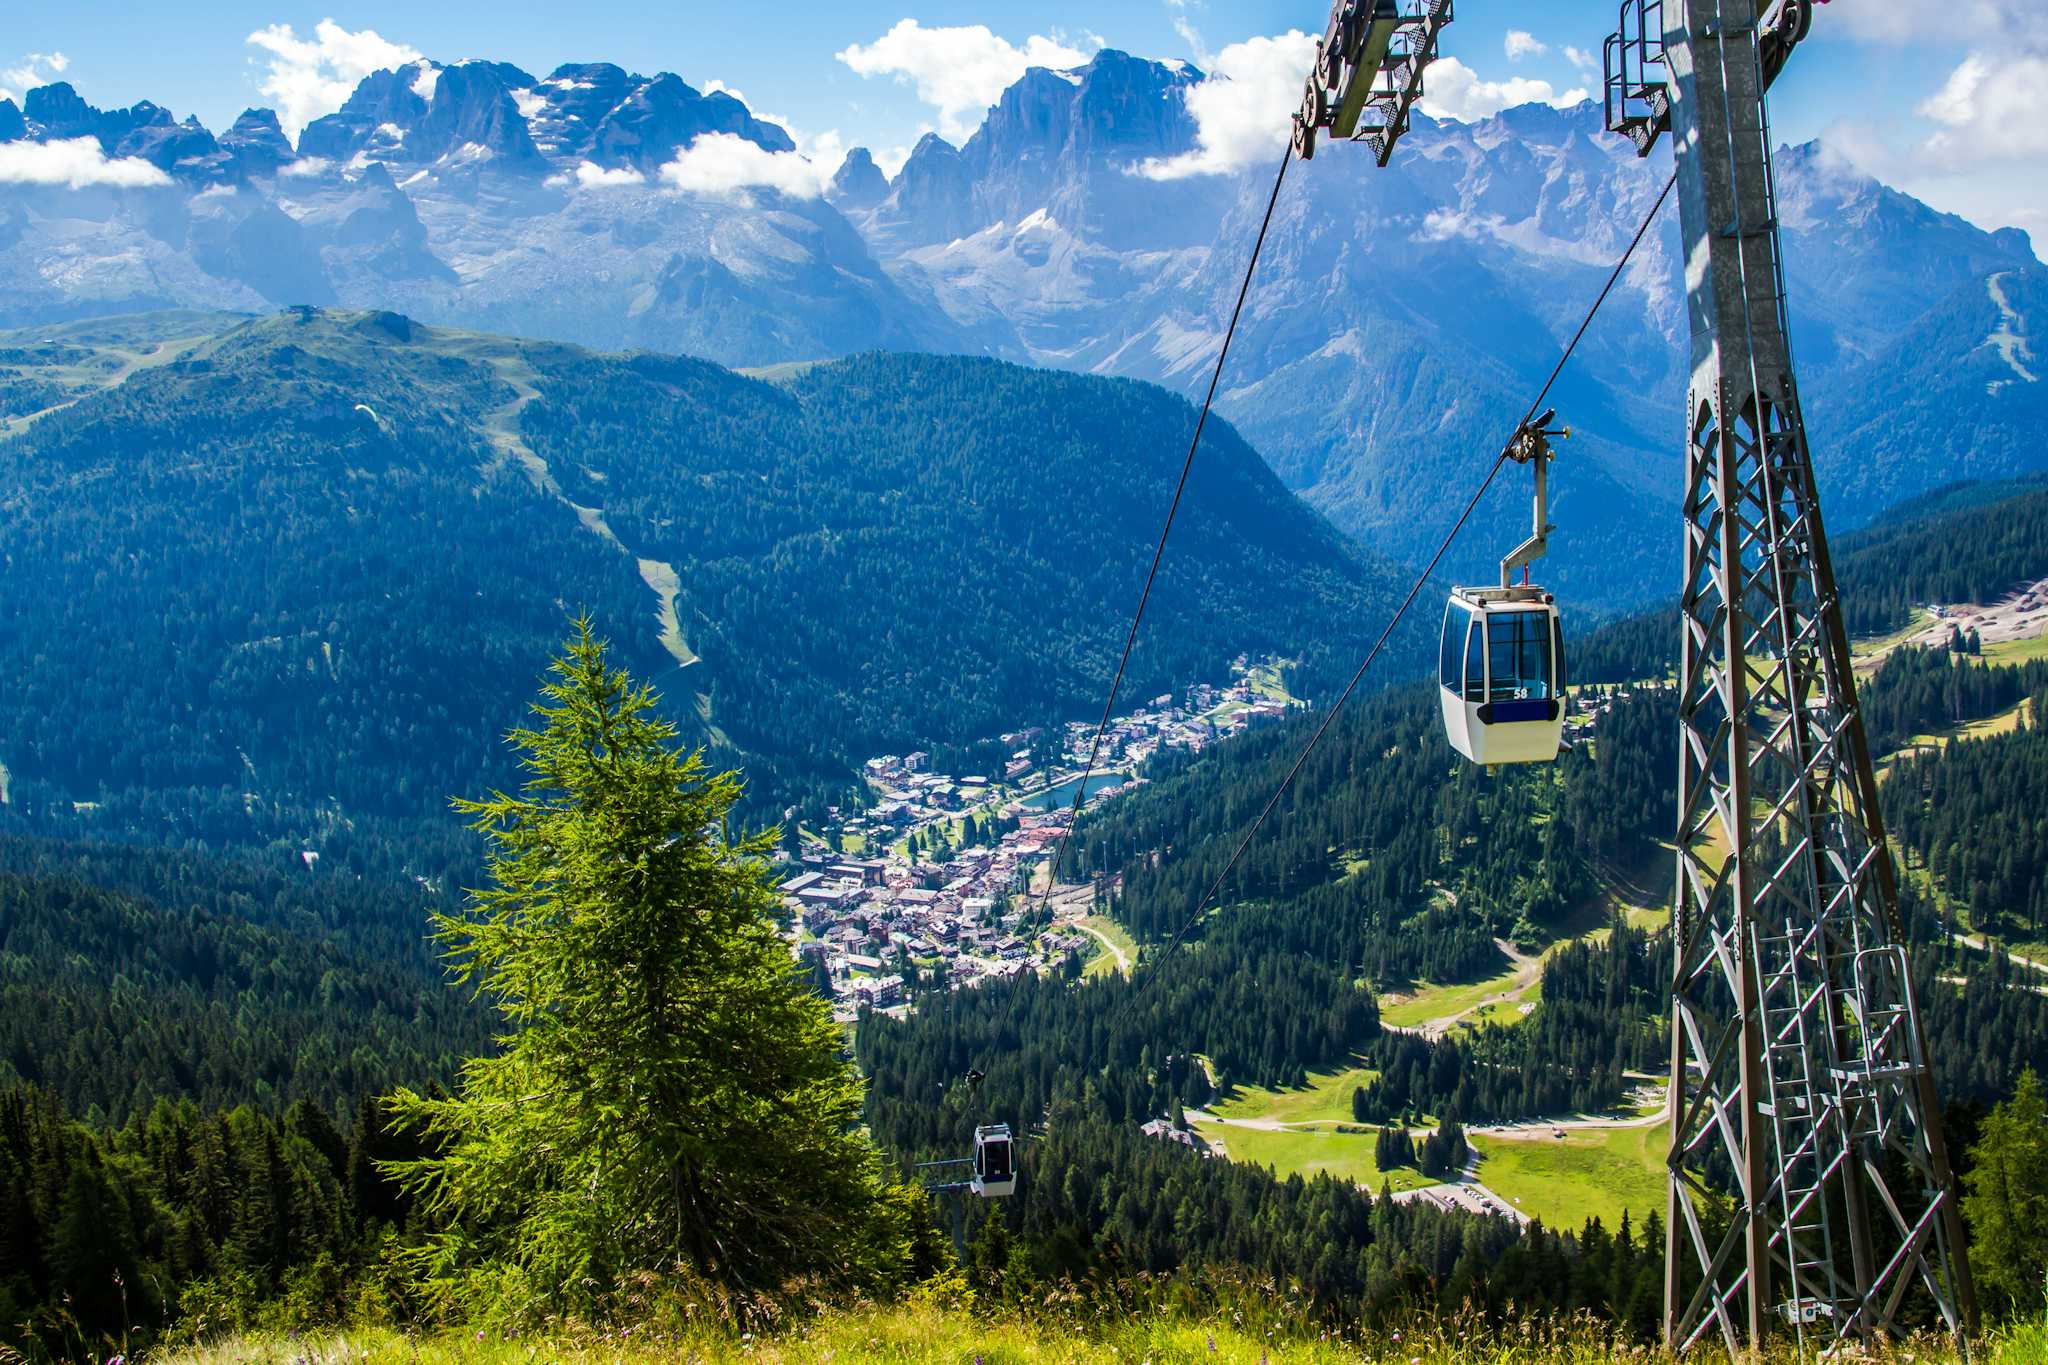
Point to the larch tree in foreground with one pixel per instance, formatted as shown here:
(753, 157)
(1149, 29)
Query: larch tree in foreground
(668, 1099)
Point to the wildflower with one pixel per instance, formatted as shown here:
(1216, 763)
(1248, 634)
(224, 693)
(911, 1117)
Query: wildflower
(1212, 1345)
(479, 1335)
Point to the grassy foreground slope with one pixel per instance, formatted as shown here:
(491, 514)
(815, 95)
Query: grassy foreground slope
(913, 1335)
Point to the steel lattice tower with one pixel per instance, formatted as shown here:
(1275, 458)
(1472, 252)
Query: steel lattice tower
(1809, 1177)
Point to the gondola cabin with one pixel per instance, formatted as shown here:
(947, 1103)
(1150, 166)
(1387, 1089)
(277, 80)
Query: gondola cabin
(1501, 675)
(995, 1161)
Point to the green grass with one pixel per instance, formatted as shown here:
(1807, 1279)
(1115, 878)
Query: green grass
(2017, 651)
(1510, 1011)
(1867, 654)
(1326, 1099)
(955, 1332)
(1587, 1173)
(1346, 1156)
(1105, 961)
(1438, 1002)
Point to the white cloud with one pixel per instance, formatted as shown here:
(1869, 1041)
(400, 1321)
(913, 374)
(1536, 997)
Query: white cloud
(958, 71)
(308, 78)
(824, 150)
(1585, 61)
(1456, 91)
(1993, 107)
(37, 68)
(721, 163)
(890, 162)
(1241, 110)
(591, 176)
(306, 166)
(1189, 34)
(1441, 225)
(1983, 132)
(1521, 43)
(77, 163)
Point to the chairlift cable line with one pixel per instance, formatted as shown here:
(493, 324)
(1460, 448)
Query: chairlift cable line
(1165, 530)
(1330, 716)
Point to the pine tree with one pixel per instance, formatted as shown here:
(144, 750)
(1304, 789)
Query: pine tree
(2007, 1202)
(668, 1097)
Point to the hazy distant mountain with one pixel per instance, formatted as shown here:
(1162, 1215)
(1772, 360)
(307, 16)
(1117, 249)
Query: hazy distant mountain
(1400, 323)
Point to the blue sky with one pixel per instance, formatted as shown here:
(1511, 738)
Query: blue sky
(1954, 111)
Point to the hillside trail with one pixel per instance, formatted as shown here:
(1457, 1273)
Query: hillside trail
(1528, 970)
(501, 428)
(1123, 960)
(163, 353)
(2012, 955)
(2009, 341)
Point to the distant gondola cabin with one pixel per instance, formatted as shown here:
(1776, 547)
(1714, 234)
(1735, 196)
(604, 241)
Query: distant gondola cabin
(995, 1161)
(1501, 675)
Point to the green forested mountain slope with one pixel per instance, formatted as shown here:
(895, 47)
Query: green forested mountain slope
(303, 574)
(1966, 542)
(113, 1002)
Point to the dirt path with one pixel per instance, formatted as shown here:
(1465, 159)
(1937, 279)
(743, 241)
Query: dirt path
(1967, 940)
(163, 353)
(1123, 960)
(1528, 970)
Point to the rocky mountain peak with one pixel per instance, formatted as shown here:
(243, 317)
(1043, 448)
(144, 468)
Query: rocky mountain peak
(57, 111)
(858, 183)
(12, 124)
(257, 142)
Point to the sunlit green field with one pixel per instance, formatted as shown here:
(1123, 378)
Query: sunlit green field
(1586, 1174)
(1326, 1099)
(1438, 1002)
(1346, 1156)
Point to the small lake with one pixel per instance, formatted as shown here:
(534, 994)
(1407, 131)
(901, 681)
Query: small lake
(1063, 794)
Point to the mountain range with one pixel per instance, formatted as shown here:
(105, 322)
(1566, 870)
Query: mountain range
(479, 196)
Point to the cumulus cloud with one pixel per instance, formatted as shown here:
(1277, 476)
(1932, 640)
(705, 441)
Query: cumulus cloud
(1993, 107)
(1983, 132)
(1456, 91)
(958, 71)
(37, 68)
(1585, 61)
(310, 77)
(1241, 110)
(591, 176)
(76, 163)
(723, 163)
(1521, 43)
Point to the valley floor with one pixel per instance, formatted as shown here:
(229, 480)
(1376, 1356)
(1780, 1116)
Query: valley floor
(914, 1335)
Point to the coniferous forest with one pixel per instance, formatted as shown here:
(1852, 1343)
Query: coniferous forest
(286, 1041)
